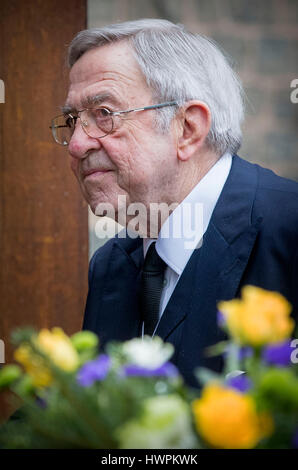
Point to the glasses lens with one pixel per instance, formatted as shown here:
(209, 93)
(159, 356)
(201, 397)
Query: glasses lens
(97, 122)
(62, 129)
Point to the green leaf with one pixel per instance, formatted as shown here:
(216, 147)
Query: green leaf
(217, 349)
(85, 340)
(204, 376)
(9, 374)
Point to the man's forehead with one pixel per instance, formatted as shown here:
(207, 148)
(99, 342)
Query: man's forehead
(116, 57)
(104, 73)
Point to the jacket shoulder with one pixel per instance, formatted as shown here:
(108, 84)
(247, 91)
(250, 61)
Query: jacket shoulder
(272, 191)
(268, 180)
(275, 198)
(101, 256)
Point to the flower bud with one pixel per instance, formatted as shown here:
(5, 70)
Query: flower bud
(9, 374)
(84, 340)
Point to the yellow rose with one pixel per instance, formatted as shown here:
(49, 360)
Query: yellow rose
(259, 318)
(57, 346)
(227, 419)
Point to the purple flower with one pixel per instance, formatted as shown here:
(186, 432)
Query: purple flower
(239, 382)
(278, 354)
(221, 320)
(166, 370)
(295, 439)
(94, 370)
(245, 351)
(41, 402)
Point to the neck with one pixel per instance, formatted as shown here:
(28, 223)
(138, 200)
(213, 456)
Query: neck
(194, 170)
(191, 172)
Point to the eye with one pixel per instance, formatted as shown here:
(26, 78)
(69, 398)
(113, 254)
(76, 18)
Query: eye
(102, 117)
(101, 113)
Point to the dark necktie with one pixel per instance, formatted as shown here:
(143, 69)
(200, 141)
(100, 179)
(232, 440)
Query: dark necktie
(151, 288)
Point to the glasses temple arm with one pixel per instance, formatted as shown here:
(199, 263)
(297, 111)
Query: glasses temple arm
(153, 106)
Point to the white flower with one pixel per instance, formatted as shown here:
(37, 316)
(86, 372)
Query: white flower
(165, 423)
(147, 352)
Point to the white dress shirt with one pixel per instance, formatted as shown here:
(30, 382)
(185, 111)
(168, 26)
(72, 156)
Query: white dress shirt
(174, 244)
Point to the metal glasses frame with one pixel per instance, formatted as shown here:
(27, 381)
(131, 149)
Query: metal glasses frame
(111, 113)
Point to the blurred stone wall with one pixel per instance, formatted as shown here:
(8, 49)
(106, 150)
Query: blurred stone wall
(261, 38)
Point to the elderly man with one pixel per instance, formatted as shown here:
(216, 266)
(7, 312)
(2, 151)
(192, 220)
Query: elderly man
(153, 116)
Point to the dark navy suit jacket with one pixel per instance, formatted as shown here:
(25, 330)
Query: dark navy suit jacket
(252, 238)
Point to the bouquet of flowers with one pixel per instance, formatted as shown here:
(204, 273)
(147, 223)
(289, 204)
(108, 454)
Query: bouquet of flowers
(131, 396)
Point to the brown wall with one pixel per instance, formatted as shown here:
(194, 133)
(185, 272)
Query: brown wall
(43, 219)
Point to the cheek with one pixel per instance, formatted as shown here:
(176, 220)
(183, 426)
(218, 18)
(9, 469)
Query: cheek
(146, 162)
(133, 169)
(122, 155)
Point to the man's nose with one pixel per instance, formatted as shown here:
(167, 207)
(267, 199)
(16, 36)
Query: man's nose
(80, 143)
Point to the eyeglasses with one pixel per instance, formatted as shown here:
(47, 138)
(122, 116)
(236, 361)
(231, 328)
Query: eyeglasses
(96, 122)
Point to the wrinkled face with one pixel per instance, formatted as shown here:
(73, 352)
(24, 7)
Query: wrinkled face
(136, 159)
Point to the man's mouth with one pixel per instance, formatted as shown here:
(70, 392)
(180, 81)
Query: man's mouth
(94, 172)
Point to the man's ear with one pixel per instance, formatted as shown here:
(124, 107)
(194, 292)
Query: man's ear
(195, 122)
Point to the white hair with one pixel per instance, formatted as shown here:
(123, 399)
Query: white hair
(178, 66)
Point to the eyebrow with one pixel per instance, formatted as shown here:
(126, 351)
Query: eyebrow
(91, 100)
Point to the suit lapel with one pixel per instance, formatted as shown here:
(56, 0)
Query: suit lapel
(179, 303)
(214, 271)
(234, 221)
(218, 274)
(119, 316)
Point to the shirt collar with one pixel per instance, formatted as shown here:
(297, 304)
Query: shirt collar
(174, 249)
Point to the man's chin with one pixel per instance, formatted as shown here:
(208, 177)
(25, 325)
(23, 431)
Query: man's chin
(112, 205)
(104, 207)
